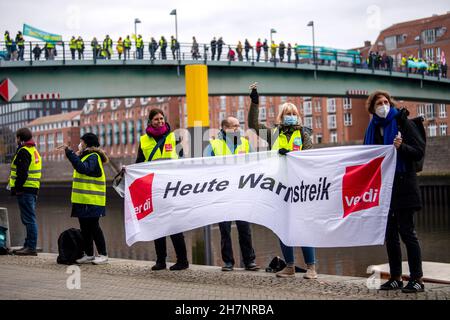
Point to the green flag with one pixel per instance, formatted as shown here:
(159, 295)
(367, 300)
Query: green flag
(42, 35)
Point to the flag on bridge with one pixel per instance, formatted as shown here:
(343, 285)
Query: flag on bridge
(42, 35)
(330, 197)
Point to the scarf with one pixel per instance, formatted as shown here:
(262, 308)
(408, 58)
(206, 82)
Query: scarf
(157, 132)
(390, 131)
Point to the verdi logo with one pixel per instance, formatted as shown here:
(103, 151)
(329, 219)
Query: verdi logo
(141, 196)
(361, 186)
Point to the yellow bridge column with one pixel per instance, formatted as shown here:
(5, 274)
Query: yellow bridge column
(198, 123)
(197, 106)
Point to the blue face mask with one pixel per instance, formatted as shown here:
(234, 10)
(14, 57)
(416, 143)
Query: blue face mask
(289, 120)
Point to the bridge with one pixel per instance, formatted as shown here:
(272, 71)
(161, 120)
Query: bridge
(76, 79)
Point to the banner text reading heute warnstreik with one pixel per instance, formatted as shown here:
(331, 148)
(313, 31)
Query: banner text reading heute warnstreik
(331, 197)
(302, 192)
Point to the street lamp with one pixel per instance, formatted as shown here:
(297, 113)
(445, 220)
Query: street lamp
(136, 21)
(311, 24)
(174, 13)
(271, 32)
(419, 38)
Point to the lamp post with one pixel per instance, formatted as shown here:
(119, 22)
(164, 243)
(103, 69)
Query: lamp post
(174, 13)
(271, 32)
(311, 24)
(136, 21)
(419, 38)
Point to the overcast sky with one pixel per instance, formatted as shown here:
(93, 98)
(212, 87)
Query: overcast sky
(340, 24)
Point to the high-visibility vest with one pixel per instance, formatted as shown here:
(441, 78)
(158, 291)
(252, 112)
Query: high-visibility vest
(139, 43)
(220, 147)
(50, 45)
(34, 169)
(8, 40)
(127, 43)
(162, 43)
(169, 148)
(295, 143)
(20, 41)
(107, 43)
(80, 44)
(87, 189)
(73, 44)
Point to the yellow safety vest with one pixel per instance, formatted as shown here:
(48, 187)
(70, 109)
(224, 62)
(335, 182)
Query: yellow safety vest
(295, 143)
(34, 170)
(8, 40)
(220, 147)
(87, 189)
(127, 43)
(80, 44)
(139, 43)
(50, 45)
(119, 46)
(73, 44)
(169, 148)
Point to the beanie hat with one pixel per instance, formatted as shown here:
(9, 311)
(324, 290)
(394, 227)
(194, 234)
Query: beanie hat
(90, 139)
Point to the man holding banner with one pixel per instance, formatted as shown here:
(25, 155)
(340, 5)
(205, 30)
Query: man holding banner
(228, 142)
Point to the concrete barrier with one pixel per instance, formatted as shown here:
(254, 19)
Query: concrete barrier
(4, 222)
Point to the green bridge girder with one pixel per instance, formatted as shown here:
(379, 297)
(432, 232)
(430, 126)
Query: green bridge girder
(138, 78)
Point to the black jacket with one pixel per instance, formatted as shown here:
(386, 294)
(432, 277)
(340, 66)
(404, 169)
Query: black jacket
(405, 191)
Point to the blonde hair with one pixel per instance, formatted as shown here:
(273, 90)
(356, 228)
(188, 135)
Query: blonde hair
(287, 107)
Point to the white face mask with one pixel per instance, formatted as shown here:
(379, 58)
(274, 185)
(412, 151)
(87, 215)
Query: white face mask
(382, 111)
(80, 147)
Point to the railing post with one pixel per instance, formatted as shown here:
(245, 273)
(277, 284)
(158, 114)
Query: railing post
(64, 52)
(253, 56)
(354, 63)
(335, 61)
(31, 53)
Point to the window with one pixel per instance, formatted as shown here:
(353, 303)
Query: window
(115, 104)
(262, 100)
(240, 116)
(429, 111)
(332, 121)
(347, 103)
(129, 102)
(102, 105)
(221, 117)
(271, 111)
(124, 132)
(432, 128)
(262, 113)
(429, 36)
(442, 111)
(347, 119)
(318, 138)
(241, 102)
(139, 129)
(94, 130)
(307, 108)
(74, 104)
(318, 122)
(308, 122)
(131, 132)
(443, 129)
(333, 137)
(144, 101)
(50, 142)
(428, 53)
(59, 138)
(223, 103)
(109, 134)
(331, 105)
(116, 134)
(421, 110)
(390, 43)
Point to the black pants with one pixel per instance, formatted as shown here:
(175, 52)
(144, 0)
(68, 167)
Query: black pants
(401, 222)
(178, 244)
(245, 242)
(91, 232)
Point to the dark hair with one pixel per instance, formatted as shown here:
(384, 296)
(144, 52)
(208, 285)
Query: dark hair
(155, 112)
(370, 103)
(24, 134)
(90, 139)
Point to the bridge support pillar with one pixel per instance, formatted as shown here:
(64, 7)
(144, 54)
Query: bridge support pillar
(198, 124)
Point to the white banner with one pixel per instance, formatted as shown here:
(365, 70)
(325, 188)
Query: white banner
(331, 197)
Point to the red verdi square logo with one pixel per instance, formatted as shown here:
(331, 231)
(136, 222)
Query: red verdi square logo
(141, 196)
(361, 186)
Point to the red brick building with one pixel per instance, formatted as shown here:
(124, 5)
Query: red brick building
(51, 131)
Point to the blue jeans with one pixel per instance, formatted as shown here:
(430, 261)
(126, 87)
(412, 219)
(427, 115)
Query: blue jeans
(288, 252)
(27, 205)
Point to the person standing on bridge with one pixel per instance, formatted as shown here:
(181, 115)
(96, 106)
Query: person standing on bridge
(73, 46)
(266, 50)
(231, 141)
(24, 183)
(119, 47)
(8, 44)
(94, 47)
(89, 195)
(127, 47)
(220, 44)
(213, 48)
(288, 135)
(388, 126)
(107, 46)
(80, 48)
(259, 45)
(159, 143)
(247, 47)
(20, 41)
(163, 46)
(152, 47)
(273, 51)
(139, 47)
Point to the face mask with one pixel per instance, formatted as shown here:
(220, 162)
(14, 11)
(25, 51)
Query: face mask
(80, 147)
(382, 111)
(290, 120)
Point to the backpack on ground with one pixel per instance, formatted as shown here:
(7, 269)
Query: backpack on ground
(70, 246)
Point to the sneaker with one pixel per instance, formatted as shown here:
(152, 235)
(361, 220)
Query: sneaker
(413, 286)
(179, 266)
(252, 267)
(392, 285)
(85, 259)
(159, 266)
(26, 252)
(227, 267)
(101, 259)
(15, 250)
(310, 272)
(287, 272)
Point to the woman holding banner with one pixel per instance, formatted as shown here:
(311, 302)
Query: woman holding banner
(159, 143)
(286, 136)
(388, 126)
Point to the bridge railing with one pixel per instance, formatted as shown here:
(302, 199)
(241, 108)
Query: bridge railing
(190, 52)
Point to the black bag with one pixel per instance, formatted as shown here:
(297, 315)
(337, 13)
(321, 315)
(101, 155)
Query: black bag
(70, 246)
(418, 122)
(277, 264)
